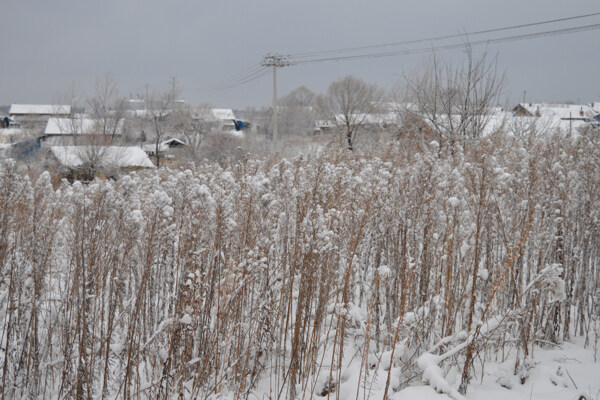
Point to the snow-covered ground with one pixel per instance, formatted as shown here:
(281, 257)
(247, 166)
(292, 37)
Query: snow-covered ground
(561, 372)
(565, 372)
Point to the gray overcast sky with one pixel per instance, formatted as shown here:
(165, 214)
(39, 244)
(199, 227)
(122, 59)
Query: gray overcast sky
(53, 46)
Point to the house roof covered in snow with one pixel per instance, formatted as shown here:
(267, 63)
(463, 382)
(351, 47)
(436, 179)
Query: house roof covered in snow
(508, 123)
(79, 125)
(223, 113)
(69, 126)
(370, 119)
(106, 156)
(173, 142)
(39, 109)
(483, 125)
(324, 123)
(562, 111)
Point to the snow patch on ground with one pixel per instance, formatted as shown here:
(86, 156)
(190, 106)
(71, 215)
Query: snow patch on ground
(548, 379)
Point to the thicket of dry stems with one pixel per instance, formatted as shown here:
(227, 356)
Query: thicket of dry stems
(280, 273)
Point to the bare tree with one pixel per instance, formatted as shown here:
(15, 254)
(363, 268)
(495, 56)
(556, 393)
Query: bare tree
(160, 105)
(77, 137)
(299, 97)
(297, 114)
(193, 124)
(349, 102)
(260, 119)
(107, 107)
(224, 148)
(456, 101)
(82, 141)
(85, 140)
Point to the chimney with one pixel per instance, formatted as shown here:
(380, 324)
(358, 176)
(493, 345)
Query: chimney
(581, 111)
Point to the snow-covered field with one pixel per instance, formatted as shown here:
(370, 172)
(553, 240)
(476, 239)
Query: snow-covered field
(409, 271)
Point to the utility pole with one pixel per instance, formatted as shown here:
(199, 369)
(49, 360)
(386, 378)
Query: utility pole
(173, 84)
(570, 123)
(275, 61)
(173, 92)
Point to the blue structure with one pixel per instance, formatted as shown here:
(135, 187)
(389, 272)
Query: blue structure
(239, 125)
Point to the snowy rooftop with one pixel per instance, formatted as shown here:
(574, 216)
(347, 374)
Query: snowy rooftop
(223, 113)
(562, 111)
(74, 126)
(324, 123)
(69, 126)
(107, 156)
(39, 109)
(373, 119)
(173, 141)
(509, 123)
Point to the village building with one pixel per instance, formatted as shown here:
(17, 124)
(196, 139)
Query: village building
(572, 116)
(78, 130)
(87, 162)
(37, 115)
(221, 120)
(169, 150)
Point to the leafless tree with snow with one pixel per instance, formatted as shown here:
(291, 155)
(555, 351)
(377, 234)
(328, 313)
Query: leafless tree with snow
(348, 103)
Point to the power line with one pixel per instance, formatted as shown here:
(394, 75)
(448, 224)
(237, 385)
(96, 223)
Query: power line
(231, 82)
(421, 50)
(249, 72)
(258, 70)
(251, 69)
(436, 38)
(255, 76)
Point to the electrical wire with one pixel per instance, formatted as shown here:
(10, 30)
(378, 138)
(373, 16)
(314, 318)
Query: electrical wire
(251, 69)
(257, 70)
(437, 38)
(254, 76)
(251, 74)
(421, 50)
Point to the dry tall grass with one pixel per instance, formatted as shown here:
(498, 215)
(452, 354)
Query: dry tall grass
(273, 276)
